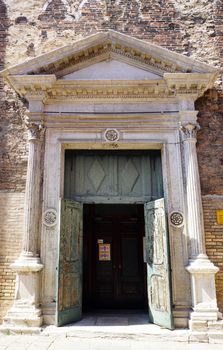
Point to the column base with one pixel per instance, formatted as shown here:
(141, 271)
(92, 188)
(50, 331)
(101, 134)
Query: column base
(25, 313)
(23, 316)
(204, 301)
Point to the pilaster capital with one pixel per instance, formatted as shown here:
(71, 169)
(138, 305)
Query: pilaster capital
(190, 131)
(35, 130)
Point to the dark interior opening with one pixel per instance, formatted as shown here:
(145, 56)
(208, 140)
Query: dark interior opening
(114, 274)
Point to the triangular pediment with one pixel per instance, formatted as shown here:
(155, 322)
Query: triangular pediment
(111, 70)
(110, 65)
(113, 47)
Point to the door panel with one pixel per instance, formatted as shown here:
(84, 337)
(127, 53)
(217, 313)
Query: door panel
(158, 268)
(69, 296)
(100, 176)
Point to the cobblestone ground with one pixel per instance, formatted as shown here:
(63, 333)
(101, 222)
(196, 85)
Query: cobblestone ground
(23, 342)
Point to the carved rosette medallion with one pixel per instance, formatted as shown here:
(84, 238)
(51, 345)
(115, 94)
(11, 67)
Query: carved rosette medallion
(50, 217)
(111, 135)
(176, 219)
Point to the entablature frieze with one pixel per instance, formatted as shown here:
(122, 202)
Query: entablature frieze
(155, 122)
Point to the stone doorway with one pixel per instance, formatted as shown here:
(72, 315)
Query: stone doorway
(124, 177)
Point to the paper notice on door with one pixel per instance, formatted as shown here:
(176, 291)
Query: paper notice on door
(104, 252)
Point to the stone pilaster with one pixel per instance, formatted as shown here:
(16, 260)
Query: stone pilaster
(201, 269)
(25, 311)
(30, 248)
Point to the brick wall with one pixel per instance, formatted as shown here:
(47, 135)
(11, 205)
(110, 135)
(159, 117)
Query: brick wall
(214, 239)
(11, 213)
(13, 160)
(30, 28)
(210, 142)
(38, 26)
(13, 149)
(210, 159)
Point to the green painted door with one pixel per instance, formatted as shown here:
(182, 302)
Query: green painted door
(69, 296)
(158, 266)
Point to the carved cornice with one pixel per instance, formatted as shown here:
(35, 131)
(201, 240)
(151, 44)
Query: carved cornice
(109, 90)
(190, 83)
(108, 50)
(33, 86)
(47, 87)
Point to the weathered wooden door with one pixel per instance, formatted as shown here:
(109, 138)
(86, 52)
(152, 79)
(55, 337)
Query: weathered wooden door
(158, 265)
(69, 297)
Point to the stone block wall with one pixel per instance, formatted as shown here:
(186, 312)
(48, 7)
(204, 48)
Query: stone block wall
(30, 28)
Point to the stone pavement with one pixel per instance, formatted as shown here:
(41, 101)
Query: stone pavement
(116, 331)
(40, 342)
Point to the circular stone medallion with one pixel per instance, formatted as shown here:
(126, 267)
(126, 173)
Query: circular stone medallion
(111, 135)
(50, 217)
(176, 219)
